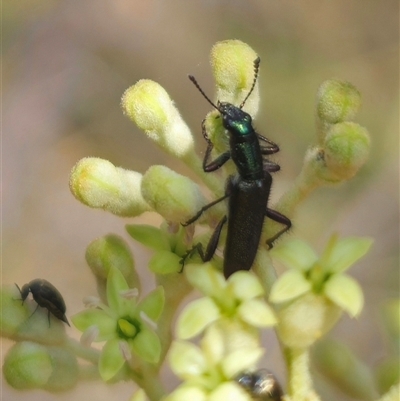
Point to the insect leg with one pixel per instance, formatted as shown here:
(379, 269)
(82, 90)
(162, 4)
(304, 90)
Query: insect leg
(279, 218)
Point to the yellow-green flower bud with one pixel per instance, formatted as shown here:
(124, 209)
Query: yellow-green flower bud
(149, 106)
(337, 101)
(105, 252)
(347, 147)
(233, 67)
(29, 365)
(344, 151)
(173, 196)
(97, 183)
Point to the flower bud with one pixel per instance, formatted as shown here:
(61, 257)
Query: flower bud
(337, 101)
(233, 67)
(149, 106)
(107, 251)
(29, 365)
(173, 196)
(347, 147)
(97, 183)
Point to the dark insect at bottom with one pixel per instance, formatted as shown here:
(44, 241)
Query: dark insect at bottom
(47, 296)
(262, 385)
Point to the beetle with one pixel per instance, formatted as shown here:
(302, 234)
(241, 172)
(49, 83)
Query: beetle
(248, 190)
(47, 296)
(262, 385)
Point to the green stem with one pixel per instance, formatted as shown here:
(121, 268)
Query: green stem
(176, 288)
(148, 380)
(300, 386)
(89, 354)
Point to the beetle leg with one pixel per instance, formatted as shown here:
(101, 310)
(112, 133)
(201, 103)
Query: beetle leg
(270, 149)
(203, 209)
(270, 167)
(279, 218)
(211, 246)
(213, 165)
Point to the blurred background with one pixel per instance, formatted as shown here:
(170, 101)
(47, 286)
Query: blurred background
(65, 66)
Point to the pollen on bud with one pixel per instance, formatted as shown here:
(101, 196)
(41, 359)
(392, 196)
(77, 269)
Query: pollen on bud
(346, 147)
(233, 67)
(97, 183)
(337, 101)
(149, 106)
(173, 196)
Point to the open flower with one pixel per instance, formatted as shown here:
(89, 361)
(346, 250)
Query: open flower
(313, 293)
(123, 324)
(237, 299)
(208, 372)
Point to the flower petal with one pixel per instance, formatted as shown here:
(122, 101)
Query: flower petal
(116, 283)
(245, 285)
(213, 345)
(165, 262)
(111, 360)
(240, 360)
(295, 254)
(153, 304)
(186, 360)
(205, 278)
(347, 251)
(95, 317)
(257, 313)
(196, 316)
(229, 391)
(149, 236)
(345, 292)
(289, 286)
(146, 345)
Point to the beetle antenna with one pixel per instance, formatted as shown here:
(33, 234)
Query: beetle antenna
(193, 79)
(256, 70)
